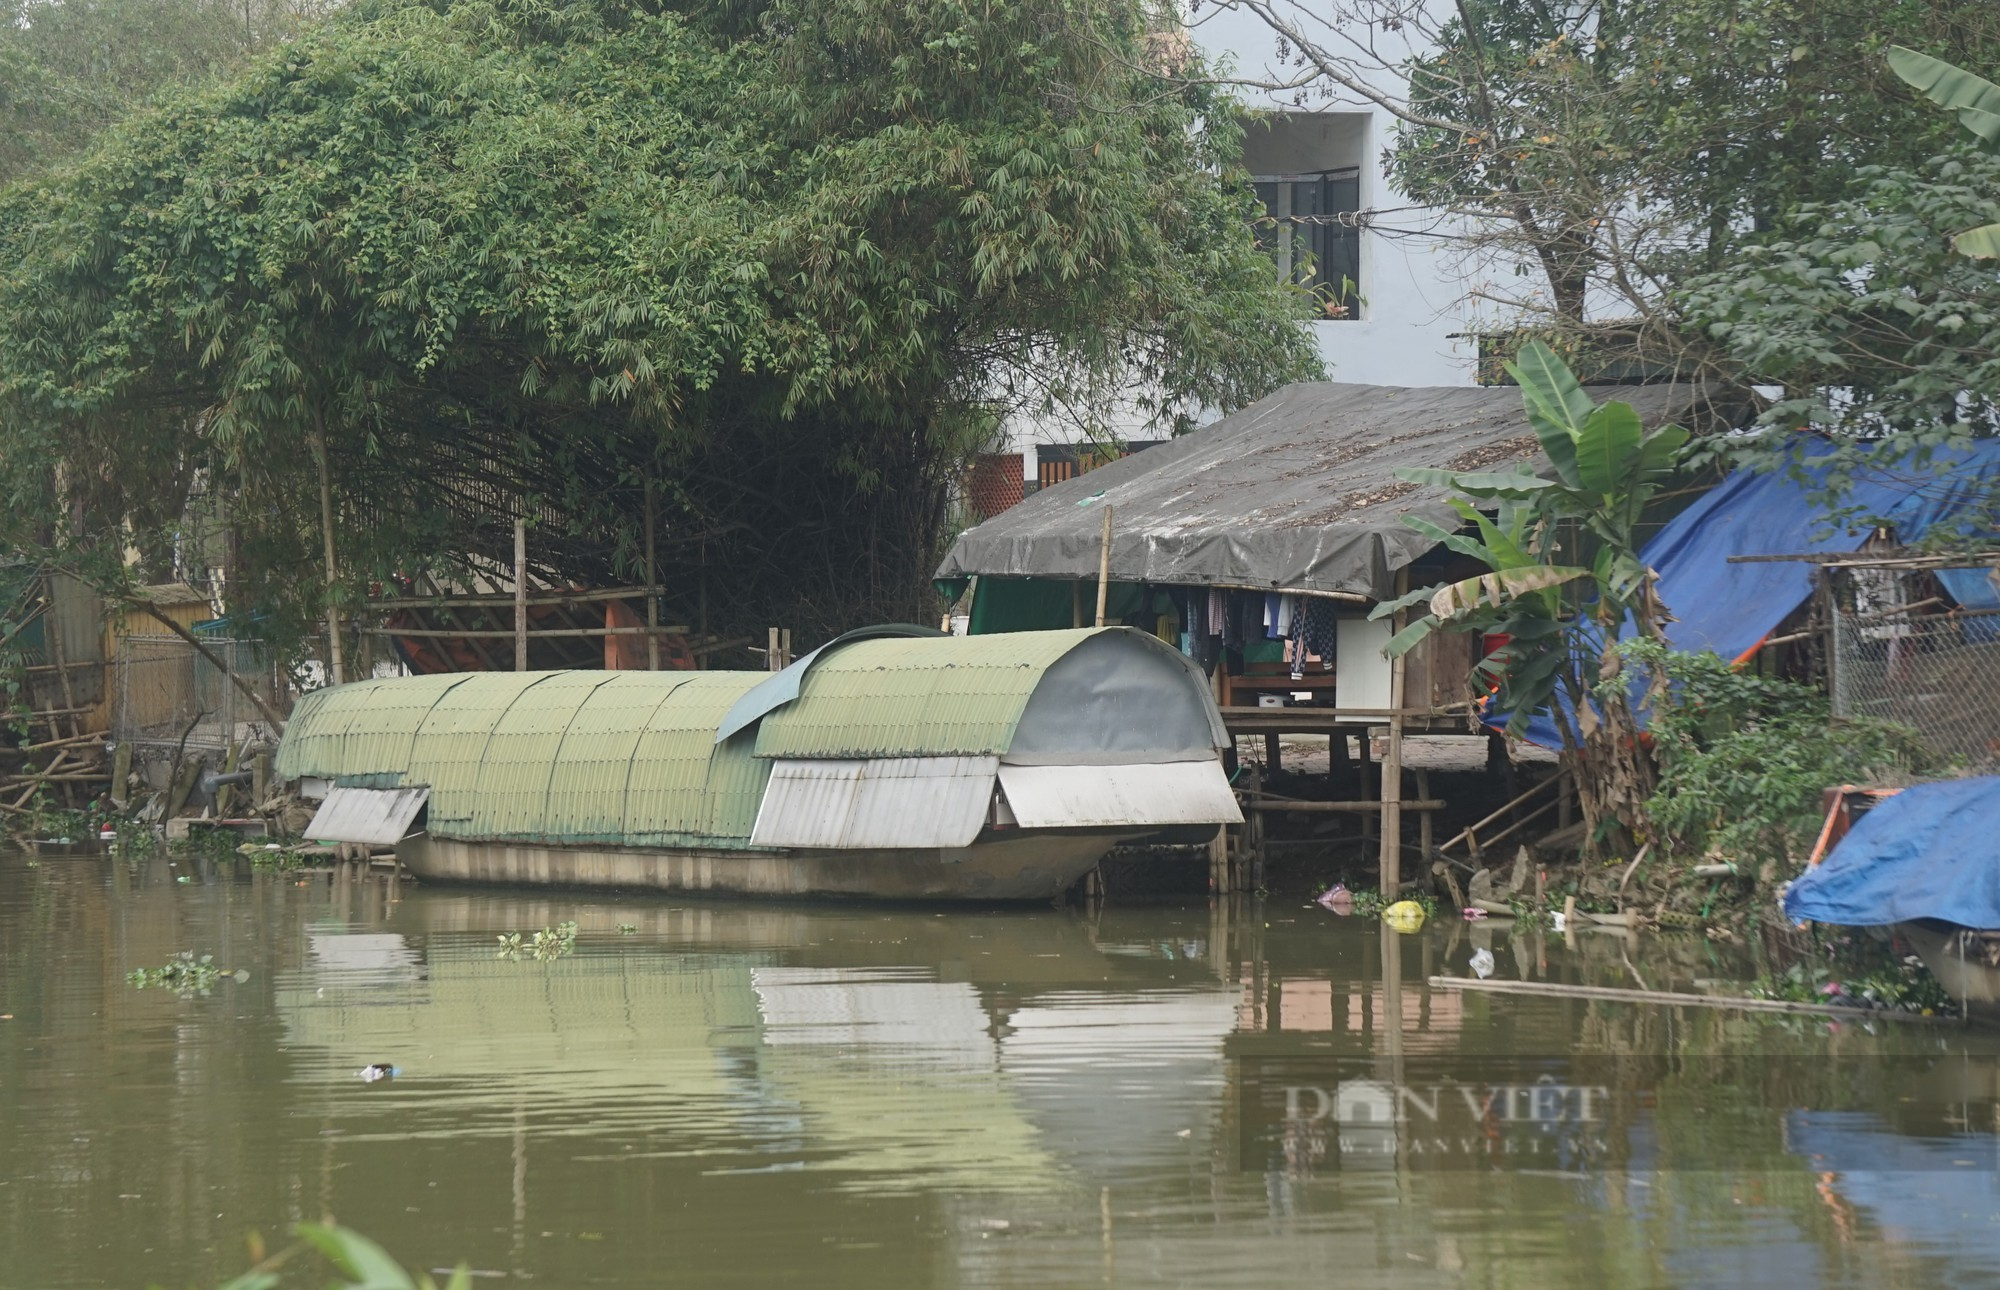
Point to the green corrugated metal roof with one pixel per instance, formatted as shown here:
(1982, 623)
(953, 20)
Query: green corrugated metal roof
(926, 697)
(614, 757)
(359, 729)
(685, 787)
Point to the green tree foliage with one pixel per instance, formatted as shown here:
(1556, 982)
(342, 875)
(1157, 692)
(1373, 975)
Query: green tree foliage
(785, 259)
(69, 68)
(1874, 312)
(1744, 759)
(1865, 316)
(1563, 617)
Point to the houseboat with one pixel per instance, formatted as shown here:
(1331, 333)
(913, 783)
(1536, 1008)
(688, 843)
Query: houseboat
(887, 764)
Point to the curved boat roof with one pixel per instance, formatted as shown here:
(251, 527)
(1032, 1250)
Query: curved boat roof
(633, 758)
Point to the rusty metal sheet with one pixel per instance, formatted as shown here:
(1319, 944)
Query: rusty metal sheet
(913, 802)
(378, 816)
(1155, 795)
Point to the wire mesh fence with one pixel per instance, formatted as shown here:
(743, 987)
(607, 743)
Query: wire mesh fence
(1906, 654)
(168, 695)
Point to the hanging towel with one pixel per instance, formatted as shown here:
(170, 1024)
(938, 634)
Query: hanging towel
(1286, 607)
(1215, 607)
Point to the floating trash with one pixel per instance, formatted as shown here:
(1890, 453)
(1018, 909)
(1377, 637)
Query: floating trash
(1482, 963)
(377, 1071)
(1336, 899)
(1404, 916)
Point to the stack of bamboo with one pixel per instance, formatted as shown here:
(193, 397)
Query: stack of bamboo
(62, 766)
(52, 759)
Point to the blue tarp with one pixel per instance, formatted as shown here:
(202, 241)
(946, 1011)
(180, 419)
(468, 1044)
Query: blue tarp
(1932, 851)
(1730, 608)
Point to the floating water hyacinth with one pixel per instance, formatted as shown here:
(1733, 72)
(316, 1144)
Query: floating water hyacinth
(546, 945)
(184, 974)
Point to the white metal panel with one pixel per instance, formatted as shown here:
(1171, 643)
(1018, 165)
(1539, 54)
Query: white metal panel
(1076, 797)
(1361, 671)
(379, 816)
(913, 802)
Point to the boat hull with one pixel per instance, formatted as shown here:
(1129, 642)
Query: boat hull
(1962, 961)
(1027, 867)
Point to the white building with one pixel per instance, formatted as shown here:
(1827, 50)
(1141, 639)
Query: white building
(1411, 321)
(1395, 275)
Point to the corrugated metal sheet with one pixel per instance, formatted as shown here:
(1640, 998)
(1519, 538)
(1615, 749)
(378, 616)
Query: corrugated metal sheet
(685, 787)
(625, 757)
(891, 802)
(1175, 792)
(449, 751)
(916, 698)
(359, 729)
(594, 764)
(374, 815)
(520, 756)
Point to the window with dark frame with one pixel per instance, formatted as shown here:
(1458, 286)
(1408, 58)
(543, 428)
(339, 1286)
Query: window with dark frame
(1310, 229)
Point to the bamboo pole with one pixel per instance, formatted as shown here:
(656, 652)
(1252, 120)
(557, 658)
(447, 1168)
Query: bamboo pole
(1671, 998)
(501, 599)
(652, 585)
(520, 595)
(508, 633)
(1283, 804)
(336, 664)
(1391, 852)
(1104, 565)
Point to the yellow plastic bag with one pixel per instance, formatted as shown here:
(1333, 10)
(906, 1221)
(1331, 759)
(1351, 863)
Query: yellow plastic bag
(1404, 916)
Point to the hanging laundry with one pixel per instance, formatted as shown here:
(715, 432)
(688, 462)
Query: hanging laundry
(1321, 625)
(1190, 622)
(1287, 607)
(1232, 620)
(1297, 623)
(1271, 631)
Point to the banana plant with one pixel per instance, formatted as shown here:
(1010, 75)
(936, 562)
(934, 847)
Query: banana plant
(1977, 103)
(1562, 617)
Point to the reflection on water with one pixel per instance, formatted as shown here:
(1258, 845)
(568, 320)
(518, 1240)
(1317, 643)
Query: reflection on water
(750, 1094)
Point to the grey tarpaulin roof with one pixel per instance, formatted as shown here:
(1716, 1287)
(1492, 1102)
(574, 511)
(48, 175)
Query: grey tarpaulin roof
(1297, 491)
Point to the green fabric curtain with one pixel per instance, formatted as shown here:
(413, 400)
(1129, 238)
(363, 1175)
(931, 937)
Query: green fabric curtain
(1043, 604)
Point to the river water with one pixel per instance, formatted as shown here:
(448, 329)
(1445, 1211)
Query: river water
(741, 1094)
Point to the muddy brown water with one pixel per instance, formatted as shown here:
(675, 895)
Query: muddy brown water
(757, 1095)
